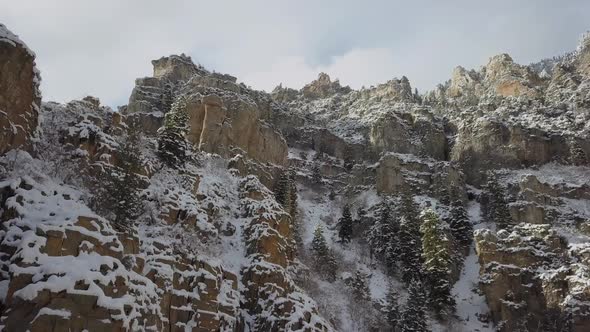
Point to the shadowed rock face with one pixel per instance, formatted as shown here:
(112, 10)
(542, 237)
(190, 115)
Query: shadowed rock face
(20, 98)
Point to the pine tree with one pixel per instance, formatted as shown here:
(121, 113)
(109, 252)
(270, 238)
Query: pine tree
(293, 205)
(173, 147)
(345, 223)
(384, 237)
(437, 263)
(118, 198)
(497, 208)
(292, 192)
(413, 318)
(392, 310)
(324, 261)
(410, 241)
(460, 225)
(444, 196)
(282, 190)
(316, 174)
(360, 290)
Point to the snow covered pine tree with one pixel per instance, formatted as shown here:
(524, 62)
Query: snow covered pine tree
(345, 223)
(437, 261)
(325, 262)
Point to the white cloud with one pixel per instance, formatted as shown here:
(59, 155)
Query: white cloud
(358, 67)
(100, 47)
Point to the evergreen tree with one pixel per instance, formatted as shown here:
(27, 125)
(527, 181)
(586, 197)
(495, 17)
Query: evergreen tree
(173, 147)
(497, 208)
(282, 190)
(460, 225)
(316, 174)
(413, 318)
(324, 261)
(408, 209)
(437, 263)
(444, 196)
(118, 198)
(293, 205)
(410, 241)
(360, 290)
(292, 192)
(392, 310)
(345, 223)
(384, 237)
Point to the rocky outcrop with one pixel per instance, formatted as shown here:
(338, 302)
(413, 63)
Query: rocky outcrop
(413, 132)
(232, 126)
(399, 174)
(323, 87)
(508, 79)
(65, 270)
(527, 279)
(397, 90)
(266, 173)
(569, 86)
(499, 78)
(225, 117)
(490, 143)
(155, 94)
(530, 274)
(20, 98)
(272, 298)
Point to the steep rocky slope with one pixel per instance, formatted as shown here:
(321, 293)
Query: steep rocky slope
(233, 186)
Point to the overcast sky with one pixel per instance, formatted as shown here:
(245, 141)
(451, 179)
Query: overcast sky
(100, 47)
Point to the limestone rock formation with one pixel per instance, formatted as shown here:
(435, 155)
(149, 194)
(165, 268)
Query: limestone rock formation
(224, 117)
(403, 174)
(20, 99)
(224, 127)
(323, 87)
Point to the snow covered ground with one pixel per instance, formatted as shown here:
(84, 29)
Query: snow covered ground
(470, 304)
(334, 298)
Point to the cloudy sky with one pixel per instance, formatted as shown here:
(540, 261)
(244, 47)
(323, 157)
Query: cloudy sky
(100, 47)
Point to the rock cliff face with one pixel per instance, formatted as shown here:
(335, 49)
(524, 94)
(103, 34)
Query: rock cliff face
(227, 239)
(224, 117)
(20, 98)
